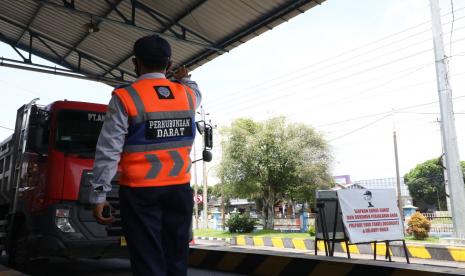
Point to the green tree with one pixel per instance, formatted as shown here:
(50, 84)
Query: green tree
(271, 160)
(425, 183)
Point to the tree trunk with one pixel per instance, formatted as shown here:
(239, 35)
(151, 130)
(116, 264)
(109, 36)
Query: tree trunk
(268, 210)
(293, 203)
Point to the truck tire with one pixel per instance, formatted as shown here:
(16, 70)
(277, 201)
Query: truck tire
(18, 255)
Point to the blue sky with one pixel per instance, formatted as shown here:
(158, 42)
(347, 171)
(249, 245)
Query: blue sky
(325, 66)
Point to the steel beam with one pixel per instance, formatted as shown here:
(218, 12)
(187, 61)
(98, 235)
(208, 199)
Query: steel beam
(166, 28)
(56, 71)
(178, 19)
(12, 45)
(168, 24)
(133, 12)
(25, 60)
(88, 14)
(30, 47)
(48, 47)
(115, 8)
(47, 37)
(69, 4)
(29, 23)
(112, 8)
(36, 53)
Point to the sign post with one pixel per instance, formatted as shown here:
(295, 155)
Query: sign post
(358, 216)
(371, 215)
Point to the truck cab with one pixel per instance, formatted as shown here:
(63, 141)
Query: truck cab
(45, 173)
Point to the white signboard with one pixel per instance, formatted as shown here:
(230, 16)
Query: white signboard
(370, 215)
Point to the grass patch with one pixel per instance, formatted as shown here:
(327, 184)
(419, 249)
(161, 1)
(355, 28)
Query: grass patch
(259, 233)
(212, 233)
(429, 239)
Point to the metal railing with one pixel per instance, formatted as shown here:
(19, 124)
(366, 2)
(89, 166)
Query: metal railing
(441, 222)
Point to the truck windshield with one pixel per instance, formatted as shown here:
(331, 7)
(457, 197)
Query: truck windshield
(78, 131)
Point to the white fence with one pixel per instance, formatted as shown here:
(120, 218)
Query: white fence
(441, 222)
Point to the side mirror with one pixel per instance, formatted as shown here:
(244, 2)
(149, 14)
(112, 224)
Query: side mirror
(208, 136)
(36, 132)
(207, 156)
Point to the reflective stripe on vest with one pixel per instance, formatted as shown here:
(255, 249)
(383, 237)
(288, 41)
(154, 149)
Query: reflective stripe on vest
(160, 135)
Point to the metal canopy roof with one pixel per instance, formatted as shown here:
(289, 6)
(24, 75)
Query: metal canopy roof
(198, 30)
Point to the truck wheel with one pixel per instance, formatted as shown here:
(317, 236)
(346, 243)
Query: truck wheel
(18, 255)
(17, 247)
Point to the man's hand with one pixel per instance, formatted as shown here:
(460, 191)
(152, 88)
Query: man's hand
(98, 213)
(181, 73)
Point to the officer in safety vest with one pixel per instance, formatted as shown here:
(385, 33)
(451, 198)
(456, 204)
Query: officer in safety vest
(149, 130)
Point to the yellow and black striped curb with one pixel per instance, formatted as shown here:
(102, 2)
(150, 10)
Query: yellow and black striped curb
(263, 262)
(415, 250)
(6, 271)
(212, 238)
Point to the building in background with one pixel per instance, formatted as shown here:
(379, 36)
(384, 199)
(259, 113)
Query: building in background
(342, 179)
(343, 182)
(387, 183)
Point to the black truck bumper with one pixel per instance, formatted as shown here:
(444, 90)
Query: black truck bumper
(87, 240)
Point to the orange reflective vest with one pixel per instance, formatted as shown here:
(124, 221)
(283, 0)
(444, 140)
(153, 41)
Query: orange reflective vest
(161, 132)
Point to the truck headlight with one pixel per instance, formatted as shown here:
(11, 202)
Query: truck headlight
(62, 221)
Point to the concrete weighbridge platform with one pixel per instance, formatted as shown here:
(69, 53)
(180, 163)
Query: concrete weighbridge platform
(262, 262)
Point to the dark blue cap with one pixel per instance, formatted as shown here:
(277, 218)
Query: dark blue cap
(152, 47)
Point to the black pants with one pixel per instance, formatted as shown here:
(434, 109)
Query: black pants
(156, 223)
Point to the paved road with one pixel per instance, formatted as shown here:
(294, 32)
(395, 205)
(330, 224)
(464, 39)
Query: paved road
(104, 267)
(120, 267)
(432, 262)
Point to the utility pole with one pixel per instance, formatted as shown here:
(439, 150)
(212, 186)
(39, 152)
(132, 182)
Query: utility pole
(399, 194)
(204, 164)
(196, 205)
(454, 170)
(443, 164)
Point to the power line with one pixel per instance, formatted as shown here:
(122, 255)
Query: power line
(360, 128)
(389, 112)
(365, 45)
(288, 87)
(269, 81)
(270, 99)
(401, 88)
(353, 119)
(373, 88)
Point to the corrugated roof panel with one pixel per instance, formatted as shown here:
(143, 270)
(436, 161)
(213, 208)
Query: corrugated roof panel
(109, 43)
(92, 6)
(217, 22)
(65, 26)
(91, 66)
(228, 23)
(11, 32)
(143, 19)
(128, 66)
(20, 11)
(182, 51)
(266, 5)
(73, 59)
(170, 9)
(52, 47)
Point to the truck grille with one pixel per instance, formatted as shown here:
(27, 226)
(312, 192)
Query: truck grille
(115, 229)
(112, 230)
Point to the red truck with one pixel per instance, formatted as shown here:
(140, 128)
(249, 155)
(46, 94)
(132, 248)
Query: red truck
(45, 169)
(45, 173)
